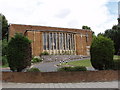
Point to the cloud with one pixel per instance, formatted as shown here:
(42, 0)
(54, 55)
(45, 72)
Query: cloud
(60, 13)
(63, 13)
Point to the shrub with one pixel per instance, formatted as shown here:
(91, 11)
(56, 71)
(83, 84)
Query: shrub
(76, 68)
(19, 53)
(44, 53)
(4, 47)
(102, 51)
(65, 69)
(33, 70)
(4, 60)
(80, 68)
(35, 60)
(116, 65)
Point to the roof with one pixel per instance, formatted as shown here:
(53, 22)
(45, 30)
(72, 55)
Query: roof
(19, 28)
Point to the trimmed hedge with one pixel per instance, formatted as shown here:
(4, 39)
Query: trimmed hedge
(76, 68)
(33, 70)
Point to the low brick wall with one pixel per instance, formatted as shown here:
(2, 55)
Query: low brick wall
(60, 77)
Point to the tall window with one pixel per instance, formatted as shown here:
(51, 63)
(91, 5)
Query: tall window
(50, 44)
(44, 41)
(86, 37)
(58, 41)
(66, 42)
(47, 41)
(58, 45)
(61, 39)
(54, 43)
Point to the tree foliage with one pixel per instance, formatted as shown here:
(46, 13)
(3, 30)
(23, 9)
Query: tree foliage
(86, 27)
(114, 34)
(4, 47)
(4, 26)
(102, 50)
(19, 53)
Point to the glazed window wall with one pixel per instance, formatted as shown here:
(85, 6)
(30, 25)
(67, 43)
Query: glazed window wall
(58, 41)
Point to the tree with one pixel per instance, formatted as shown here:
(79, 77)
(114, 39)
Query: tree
(19, 53)
(102, 51)
(86, 27)
(4, 47)
(114, 34)
(100, 34)
(4, 26)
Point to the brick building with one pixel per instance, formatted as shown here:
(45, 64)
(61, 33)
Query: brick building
(55, 40)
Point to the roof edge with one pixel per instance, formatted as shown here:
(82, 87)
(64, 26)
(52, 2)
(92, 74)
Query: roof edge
(50, 27)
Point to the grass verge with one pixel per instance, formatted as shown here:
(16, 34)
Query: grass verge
(85, 63)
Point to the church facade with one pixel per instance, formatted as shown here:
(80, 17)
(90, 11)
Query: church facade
(54, 40)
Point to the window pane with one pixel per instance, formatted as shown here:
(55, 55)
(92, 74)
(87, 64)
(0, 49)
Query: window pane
(44, 41)
(63, 41)
(60, 41)
(50, 42)
(47, 41)
(54, 40)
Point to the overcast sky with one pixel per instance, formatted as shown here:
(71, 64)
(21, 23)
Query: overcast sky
(97, 14)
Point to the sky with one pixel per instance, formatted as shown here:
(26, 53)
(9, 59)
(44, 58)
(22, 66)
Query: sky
(97, 14)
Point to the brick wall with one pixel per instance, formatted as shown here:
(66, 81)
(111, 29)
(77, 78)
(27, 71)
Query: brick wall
(37, 47)
(36, 37)
(60, 77)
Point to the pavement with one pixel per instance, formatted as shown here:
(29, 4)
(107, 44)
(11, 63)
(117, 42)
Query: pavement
(112, 84)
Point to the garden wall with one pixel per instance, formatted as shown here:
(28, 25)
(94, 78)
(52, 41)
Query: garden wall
(60, 77)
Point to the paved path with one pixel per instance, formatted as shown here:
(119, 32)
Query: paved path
(113, 84)
(51, 66)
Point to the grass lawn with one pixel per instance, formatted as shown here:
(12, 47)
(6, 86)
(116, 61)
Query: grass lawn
(85, 63)
(116, 57)
(4, 66)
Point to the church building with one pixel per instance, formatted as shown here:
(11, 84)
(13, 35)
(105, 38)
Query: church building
(54, 40)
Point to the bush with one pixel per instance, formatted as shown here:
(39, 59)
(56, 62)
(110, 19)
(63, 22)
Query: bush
(76, 68)
(4, 60)
(4, 47)
(19, 53)
(44, 53)
(35, 60)
(65, 69)
(102, 51)
(80, 68)
(33, 70)
(116, 65)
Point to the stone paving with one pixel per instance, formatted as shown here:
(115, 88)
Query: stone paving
(113, 84)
